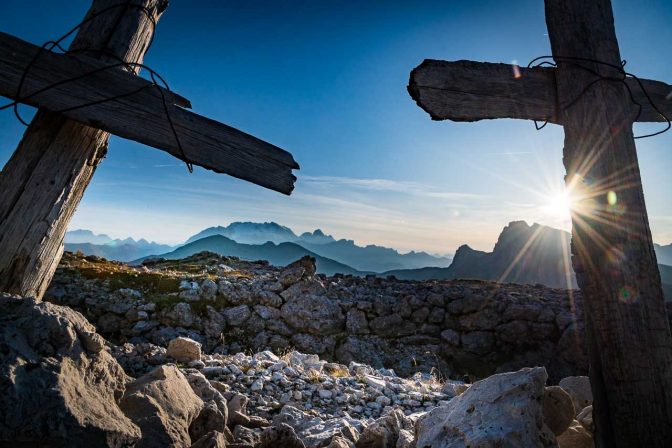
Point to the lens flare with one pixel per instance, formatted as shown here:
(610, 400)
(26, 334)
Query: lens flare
(627, 294)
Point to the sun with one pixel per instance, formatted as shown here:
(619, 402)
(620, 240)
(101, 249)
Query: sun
(558, 204)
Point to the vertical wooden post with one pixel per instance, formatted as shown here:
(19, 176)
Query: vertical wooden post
(629, 341)
(46, 176)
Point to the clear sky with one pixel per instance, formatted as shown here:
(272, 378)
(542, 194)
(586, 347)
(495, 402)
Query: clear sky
(326, 80)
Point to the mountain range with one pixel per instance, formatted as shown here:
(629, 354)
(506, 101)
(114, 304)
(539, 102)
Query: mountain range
(370, 258)
(128, 249)
(277, 254)
(523, 253)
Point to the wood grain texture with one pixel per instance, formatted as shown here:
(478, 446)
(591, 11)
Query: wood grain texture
(472, 91)
(629, 341)
(44, 180)
(140, 116)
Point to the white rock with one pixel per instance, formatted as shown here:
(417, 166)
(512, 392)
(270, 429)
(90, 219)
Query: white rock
(502, 410)
(323, 393)
(257, 385)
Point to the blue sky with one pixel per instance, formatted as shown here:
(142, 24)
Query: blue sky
(327, 80)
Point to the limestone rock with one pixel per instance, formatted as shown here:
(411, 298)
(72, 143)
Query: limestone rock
(383, 433)
(340, 442)
(210, 419)
(501, 410)
(208, 289)
(578, 387)
(184, 350)
(406, 439)
(237, 315)
(356, 322)
(558, 409)
(576, 436)
(57, 386)
(282, 435)
(313, 314)
(212, 439)
(163, 405)
(245, 437)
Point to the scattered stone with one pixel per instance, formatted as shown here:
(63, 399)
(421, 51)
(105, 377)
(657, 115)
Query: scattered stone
(184, 350)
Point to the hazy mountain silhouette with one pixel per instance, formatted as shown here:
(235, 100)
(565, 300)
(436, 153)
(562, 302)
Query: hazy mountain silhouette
(374, 258)
(127, 249)
(523, 254)
(249, 233)
(663, 254)
(369, 258)
(86, 236)
(277, 254)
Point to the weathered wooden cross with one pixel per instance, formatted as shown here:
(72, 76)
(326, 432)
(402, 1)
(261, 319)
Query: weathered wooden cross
(43, 182)
(627, 331)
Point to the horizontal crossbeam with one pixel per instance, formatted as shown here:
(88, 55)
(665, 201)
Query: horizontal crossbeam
(134, 108)
(472, 91)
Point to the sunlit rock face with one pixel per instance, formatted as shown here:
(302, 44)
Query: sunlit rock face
(58, 385)
(461, 328)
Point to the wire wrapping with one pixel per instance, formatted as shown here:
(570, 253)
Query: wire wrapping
(52, 45)
(624, 75)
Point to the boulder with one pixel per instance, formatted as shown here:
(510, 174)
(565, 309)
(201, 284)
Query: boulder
(212, 439)
(58, 387)
(576, 436)
(245, 437)
(163, 405)
(313, 314)
(392, 326)
(208, 290)
(237, 315)
(181, 315)
(382, 433)
(340, 442)
(184, 350)
(501, 410)
(578, 387)
(356, 322)
(406, 439)
(210, 419)
(282, 435)
(558, 409)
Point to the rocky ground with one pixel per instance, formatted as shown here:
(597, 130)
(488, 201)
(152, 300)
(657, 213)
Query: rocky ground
(218, 352)
(64, 385)
(456, 328)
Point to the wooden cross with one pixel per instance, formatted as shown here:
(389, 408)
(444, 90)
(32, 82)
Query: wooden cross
(43, 182)
(627, 331)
